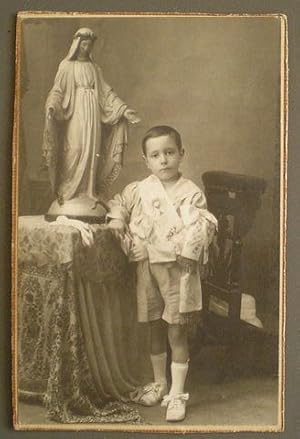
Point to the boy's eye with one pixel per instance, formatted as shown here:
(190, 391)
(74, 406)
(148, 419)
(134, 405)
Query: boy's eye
(170, 152)
(154, 156)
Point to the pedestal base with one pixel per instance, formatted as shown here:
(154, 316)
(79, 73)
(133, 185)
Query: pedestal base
(81, 208)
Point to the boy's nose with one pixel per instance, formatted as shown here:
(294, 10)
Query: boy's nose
(163, 159)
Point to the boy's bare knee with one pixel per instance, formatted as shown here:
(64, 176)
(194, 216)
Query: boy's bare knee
(177, 334)
(158, 336)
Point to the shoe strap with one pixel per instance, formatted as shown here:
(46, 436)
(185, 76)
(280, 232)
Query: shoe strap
(180, 396)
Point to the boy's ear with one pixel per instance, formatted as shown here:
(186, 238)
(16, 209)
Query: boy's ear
(145, 159)
(182, 152)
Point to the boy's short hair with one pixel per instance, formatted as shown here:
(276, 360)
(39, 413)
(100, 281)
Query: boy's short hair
(162, 130)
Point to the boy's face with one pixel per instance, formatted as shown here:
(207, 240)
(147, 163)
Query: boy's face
(163, 157)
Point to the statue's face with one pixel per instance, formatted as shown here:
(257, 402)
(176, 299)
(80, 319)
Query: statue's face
(85, 48)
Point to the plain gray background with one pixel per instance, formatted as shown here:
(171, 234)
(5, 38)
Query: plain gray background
(215, 79)
(6, 102)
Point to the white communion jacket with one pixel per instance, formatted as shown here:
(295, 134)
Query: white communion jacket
(168, 224)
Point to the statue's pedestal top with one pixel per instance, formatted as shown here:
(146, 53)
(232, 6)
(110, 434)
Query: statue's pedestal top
(82, 208)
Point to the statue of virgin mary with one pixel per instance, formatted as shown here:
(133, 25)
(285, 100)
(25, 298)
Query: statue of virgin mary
(85, 133)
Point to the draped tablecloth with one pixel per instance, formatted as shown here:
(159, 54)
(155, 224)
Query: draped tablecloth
(77, 330)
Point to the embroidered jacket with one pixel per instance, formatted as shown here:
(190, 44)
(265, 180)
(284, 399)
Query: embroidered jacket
(167, 224)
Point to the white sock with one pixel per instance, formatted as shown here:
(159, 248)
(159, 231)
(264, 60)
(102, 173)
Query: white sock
(178, 373)
(159, 363)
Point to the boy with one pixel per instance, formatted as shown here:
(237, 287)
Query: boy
(165, 227)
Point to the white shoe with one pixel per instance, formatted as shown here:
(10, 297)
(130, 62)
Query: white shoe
(176, 406)
(150, 394)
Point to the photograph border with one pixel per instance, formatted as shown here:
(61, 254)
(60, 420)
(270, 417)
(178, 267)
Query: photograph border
(283, 218)
(291, 8)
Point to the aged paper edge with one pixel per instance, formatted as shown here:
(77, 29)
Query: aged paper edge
(283, 221)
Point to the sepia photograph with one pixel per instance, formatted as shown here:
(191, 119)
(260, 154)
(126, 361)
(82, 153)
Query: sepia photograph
(149, 222)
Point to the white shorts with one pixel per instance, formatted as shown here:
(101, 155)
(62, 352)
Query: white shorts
(158, 292)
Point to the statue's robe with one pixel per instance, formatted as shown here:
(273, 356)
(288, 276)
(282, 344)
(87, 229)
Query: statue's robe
(82, 159)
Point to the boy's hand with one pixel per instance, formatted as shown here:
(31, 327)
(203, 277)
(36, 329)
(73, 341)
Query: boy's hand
(188, 265)
(138, 252)
(118, 227)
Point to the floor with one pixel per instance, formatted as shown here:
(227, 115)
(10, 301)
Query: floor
(240, 402)
(240, 399)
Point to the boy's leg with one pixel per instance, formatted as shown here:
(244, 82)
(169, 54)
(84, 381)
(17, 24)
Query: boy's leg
(150, 309)
(158, 334)
(176, 400)
(158, 341)
(154, 392)
(178, 340)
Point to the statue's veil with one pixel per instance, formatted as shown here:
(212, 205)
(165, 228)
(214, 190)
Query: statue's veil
(83, 33)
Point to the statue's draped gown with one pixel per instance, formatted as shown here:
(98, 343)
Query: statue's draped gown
(83, 101)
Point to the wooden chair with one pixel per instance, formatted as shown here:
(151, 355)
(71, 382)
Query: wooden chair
(234, 199)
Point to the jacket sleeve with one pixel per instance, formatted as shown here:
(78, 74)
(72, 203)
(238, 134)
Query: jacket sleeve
(200, 226)
(121, 205)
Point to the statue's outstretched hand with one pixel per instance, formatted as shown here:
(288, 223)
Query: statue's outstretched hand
(132, 116)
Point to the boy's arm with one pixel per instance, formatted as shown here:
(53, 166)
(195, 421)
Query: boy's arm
(200, 227)
(120, 207)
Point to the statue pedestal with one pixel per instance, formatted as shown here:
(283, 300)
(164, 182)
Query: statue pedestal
(81, 208)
